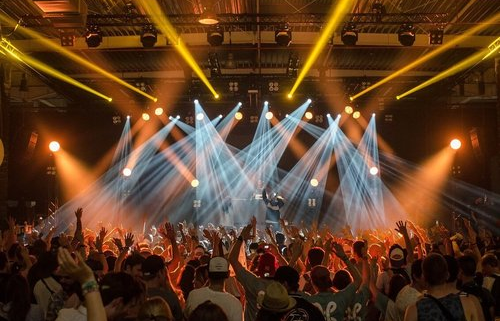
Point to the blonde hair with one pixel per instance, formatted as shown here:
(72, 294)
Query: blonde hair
(155, 308)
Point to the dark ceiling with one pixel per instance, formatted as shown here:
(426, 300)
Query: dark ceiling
(249, 37)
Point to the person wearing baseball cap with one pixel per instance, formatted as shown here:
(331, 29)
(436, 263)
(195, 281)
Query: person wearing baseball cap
(155, 276)
(218, 272)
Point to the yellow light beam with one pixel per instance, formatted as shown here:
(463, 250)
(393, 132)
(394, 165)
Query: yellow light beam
(493, 48)
(471, 60)
(71, 55)
(155, 12)
(337, 14)
(430, 55)
(9, 49)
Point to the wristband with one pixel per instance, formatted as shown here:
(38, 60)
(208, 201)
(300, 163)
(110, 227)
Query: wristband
(90, 286)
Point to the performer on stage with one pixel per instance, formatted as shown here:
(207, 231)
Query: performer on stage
(273, 209)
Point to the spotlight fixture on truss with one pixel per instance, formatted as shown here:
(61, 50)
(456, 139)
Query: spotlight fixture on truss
(208, 17)
(349, 34)
(149, 36)
(436, 36)
(283, 35)
(379, 10)
(406, 34)
(67, 38)
(215, 35)
(93, 36)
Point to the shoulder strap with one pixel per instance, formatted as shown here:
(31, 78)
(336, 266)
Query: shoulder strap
(47, 286)
(444, 310)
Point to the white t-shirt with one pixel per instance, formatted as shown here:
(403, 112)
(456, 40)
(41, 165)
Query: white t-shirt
(406, 297)
(229, 304)
(78, 314)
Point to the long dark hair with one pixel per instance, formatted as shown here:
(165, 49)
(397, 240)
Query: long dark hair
(18, 295)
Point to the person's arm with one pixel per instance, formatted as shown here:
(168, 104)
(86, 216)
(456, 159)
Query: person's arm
(328, 251)
(264, 196)
(339, 252)
(79, 228)
(82, 273)
(411, 313)
(401, 228)
(170, 235)
(99, 240)
(235, 250)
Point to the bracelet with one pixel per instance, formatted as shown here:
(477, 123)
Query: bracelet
(90, 286)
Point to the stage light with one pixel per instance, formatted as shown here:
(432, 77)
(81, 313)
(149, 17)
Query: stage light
(349, 34)
(286, 116)
(373, 115)
(308, 115)
(200, 116)
(238, 116)
(373, 170)
(170, 117)
(54, 146)
(436, 37)
(216, 96)
(283, 35)
(239, 104)
(127, 172)
(233, 86)
(319, 119)
(149, 36)
(348, 110)
(356, 115)
(455, 144)
(145, 116)
(208, 17)
(196, 101)
(309, 100)
(93, 36)
(406, 34)
(158, 111)
(269, 115)
(215, 36)
(314, 182)
(266, 103)
(328, 115)
(177, 117)
(220, 115)
(289, 96)
(128, 116)
(195, 183)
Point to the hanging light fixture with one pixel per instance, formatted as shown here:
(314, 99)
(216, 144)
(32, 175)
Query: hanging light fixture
(149, 36)
(208, 17)
(283, 35)
(406, 35)
(349, 34)
(93, 36)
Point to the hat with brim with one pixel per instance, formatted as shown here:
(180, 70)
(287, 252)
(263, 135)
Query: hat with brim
(276, 298)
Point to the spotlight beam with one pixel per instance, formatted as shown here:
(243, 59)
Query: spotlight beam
(155, 12)
(12, 51)
(336, 16)
(471, 60)
(447, 45)
(75, 57)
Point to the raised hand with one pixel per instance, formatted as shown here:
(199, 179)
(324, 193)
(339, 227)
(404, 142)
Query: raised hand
(12, 223)
(246, 233)
(170, 231)
(129, 240)
(78, 270)
(338, 250)
(401, 228)
(103, 233)
(79, 213)
(118, 243)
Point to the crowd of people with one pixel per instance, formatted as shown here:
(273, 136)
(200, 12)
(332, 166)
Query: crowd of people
(285, 272)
